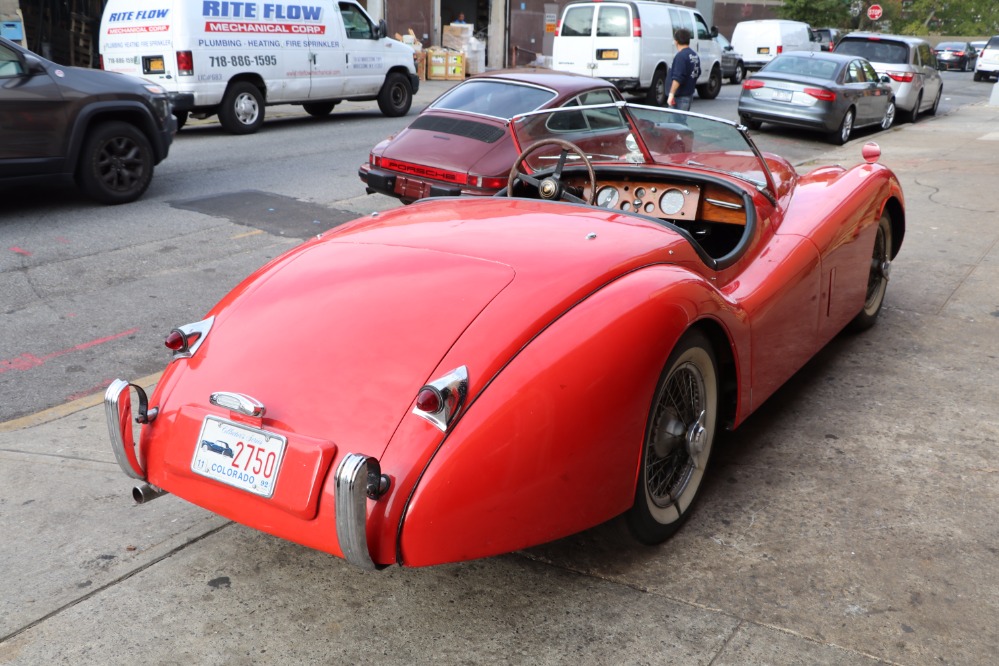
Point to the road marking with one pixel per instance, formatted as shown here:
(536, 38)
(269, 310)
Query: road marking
(65, 409)
(28, 361)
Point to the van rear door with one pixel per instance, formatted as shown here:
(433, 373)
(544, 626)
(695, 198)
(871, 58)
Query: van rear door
(597, 40)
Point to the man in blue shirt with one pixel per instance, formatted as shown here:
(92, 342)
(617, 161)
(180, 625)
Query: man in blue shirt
(686, 68)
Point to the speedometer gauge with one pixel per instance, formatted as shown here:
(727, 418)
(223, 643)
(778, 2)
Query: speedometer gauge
(607, 197)
(671, 201)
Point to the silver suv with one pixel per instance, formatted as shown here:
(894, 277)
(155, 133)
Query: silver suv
(908, 61)
(987, 64)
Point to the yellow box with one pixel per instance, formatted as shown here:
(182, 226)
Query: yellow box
(455, 66)
(436, 64)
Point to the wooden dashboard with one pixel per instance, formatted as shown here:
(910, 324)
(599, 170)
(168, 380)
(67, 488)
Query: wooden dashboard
(680, 202)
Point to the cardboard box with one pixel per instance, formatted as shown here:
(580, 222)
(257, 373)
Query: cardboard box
(421, 65)
(456, 36)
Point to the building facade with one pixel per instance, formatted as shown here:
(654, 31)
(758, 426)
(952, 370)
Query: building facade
(516, 32)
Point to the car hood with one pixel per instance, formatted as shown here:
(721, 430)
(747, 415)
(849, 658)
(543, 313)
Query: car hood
(338, 335)
(455, 142)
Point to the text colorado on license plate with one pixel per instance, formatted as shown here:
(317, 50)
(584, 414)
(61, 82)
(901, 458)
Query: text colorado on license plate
(240, 456)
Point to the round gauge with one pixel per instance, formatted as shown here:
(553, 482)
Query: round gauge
(639, 192)
(671, 201)
(607, 197)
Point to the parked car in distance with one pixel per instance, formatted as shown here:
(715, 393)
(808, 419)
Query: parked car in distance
(910, 64)
(956, 55)
(461, 143)
(987, 65)
(762, 40)
(828, 92)
(472, 376)
(104, 131)
(827, 38)
(979, 45)
(732, 66)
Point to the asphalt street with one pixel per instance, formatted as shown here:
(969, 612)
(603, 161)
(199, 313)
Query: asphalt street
(849, 521)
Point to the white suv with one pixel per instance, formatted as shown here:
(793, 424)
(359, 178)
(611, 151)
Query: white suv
(987, 64)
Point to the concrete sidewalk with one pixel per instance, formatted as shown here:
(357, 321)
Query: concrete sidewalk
(850, 521)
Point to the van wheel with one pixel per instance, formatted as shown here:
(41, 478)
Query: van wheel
(711, 89)
(656, 96)
(242, 110)
(181, 117)
(319, 109)
(396, 95)
(116, 165)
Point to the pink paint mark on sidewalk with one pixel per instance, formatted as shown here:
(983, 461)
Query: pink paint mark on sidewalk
(20, 250)
(28, 361)
(90, 391)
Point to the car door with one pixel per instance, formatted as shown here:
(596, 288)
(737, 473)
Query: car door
(365, 64)
(880, 93)
(929, 74)
(859, 91)
(33, 117)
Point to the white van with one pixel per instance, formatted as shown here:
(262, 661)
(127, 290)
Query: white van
(631, 45)
(759, 41)
(233, 57)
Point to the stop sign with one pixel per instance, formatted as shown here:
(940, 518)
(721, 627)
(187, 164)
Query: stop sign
(874, 12)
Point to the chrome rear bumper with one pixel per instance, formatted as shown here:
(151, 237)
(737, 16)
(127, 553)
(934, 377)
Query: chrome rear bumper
(357, 479)
(118, 409)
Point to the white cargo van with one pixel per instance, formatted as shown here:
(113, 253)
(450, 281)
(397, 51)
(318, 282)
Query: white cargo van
(759, 41)
(234, 57)
(631, 45)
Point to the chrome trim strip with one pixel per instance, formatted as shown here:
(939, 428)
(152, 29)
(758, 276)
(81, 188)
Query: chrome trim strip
(238, 402)
(112, 404)
(350, 491)
(724, 204)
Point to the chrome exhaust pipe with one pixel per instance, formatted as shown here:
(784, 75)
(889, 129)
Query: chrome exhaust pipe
(146, 493)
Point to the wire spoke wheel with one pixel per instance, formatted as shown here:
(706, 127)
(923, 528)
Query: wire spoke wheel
(877, 279)
(678, 442)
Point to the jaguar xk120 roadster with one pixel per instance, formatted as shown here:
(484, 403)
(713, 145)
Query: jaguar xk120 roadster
(464, 377)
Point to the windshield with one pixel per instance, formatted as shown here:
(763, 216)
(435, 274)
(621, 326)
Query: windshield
(500, 99)
(624, 132)
(891, 53)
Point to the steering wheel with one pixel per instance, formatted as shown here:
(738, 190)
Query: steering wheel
(551, 187)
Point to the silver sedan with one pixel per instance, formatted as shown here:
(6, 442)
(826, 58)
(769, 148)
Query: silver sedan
(820, 91)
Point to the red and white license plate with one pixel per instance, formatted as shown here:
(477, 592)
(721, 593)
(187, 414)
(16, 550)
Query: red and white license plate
(240, 456)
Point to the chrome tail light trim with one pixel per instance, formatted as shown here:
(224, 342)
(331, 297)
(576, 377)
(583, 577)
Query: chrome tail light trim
(453, 389)
(199, 331)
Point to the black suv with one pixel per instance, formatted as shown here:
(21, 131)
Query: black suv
(105, 130)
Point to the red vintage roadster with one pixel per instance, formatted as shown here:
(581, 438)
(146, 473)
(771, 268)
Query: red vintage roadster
(464, 377)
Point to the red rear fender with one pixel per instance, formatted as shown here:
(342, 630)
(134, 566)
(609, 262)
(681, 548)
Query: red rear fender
(552, 445)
